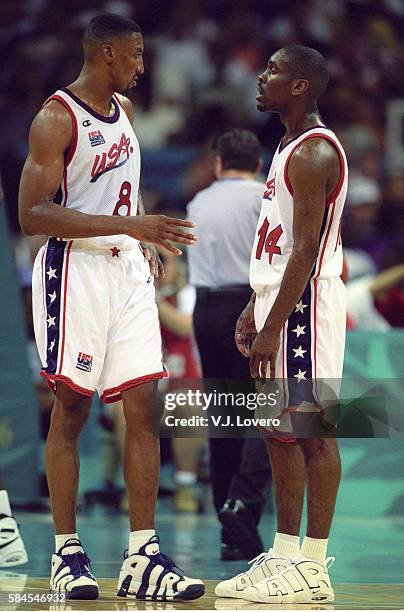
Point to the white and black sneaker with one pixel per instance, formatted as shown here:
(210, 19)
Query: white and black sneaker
(303, 581)
(263, 566)
(149, 574)
(70, 572)
(12, 549)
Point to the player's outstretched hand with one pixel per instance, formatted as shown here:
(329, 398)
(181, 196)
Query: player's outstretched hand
(264, 351)
(161, 230)
(245, 330)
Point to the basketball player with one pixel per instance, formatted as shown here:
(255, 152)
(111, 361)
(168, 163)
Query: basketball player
(298, 309)
(95, 316)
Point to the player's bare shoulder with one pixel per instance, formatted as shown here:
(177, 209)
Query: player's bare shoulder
(51, 128)
(315, 154)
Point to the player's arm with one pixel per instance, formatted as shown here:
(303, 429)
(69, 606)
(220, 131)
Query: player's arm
(50, 138)
(310, 169)
(150, 251)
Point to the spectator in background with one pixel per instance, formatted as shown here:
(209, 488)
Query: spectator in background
(226, 215)
(175, 300)
(363, 205)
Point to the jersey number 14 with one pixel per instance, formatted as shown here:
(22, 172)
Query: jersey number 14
(268, 241)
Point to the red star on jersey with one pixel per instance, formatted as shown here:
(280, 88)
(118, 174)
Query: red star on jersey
(115, 252)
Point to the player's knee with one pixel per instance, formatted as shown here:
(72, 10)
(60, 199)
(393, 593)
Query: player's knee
(315, 447)
(142, 408)
(70, 413)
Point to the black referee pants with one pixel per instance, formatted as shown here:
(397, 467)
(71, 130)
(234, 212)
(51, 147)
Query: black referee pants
(239, 467)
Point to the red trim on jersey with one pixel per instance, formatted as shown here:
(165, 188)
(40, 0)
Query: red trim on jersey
(338, 188)
(42, 279)
(283, 363)
(52, 379)
(119, 102)
(339, 238)
(114, 394)
(75, 131)
(320, 261)
(69, 246)
(64, 203)
(315, 336)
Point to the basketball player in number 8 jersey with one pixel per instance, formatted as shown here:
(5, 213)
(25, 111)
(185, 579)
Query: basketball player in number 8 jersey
(95, 316)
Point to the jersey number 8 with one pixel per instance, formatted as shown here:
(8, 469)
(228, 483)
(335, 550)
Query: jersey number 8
(123, 206)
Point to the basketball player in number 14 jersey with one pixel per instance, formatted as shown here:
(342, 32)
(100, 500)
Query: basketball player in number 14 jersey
(298, 309)
(95, 316)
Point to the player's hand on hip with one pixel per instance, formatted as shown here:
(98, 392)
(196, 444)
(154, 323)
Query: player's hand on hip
(264, 351)
(245, 330)
(161, 230)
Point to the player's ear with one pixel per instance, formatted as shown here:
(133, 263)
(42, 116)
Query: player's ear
(259, 165)
(299, 87)
(108, 52)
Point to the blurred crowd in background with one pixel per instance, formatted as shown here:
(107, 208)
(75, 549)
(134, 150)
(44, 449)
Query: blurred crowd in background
(202, 59)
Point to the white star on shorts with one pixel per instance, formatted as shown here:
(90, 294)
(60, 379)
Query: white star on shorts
(51, 273)
(300, 307)
(52, 346)
(51, 321)
(299, 330)
(299, 352)
(300, 375)
(52, 296)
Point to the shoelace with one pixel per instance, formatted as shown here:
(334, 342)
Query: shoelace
(166, 562)
(79, 564)
(256, 562)
(161, 559)
(327, 564)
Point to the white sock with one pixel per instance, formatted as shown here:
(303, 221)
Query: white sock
(61, 539)
(286, 545)
(185, 478)
(139, 538)
(313, 548)
(5, 503)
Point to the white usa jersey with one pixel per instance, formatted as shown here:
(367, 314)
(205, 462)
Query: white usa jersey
(102, 167)
(274, 237)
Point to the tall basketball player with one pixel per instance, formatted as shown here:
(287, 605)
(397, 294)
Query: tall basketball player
(95, 316)
(298, 310)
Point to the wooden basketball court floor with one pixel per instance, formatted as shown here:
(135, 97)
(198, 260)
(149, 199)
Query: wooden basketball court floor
(348, 597)
(368, 572)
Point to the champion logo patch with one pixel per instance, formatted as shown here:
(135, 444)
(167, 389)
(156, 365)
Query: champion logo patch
(96, 138)
(84, 362)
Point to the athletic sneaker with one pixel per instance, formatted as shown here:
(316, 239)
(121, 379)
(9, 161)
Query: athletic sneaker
(12, 549)
(70, 572)
(263, 566)
(303, 581)
(149, 574)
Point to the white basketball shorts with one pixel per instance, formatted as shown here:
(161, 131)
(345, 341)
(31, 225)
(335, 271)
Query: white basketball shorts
(95, 318)
(310, 360)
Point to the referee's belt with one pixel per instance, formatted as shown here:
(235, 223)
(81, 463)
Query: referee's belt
(203, 291)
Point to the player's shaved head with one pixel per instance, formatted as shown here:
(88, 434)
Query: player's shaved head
(104, 28)
(306, 63)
